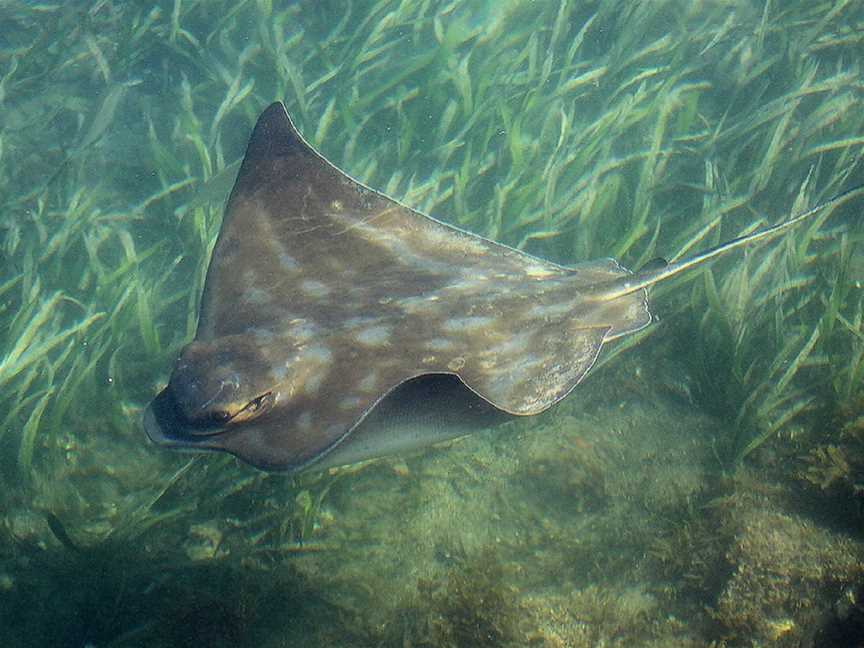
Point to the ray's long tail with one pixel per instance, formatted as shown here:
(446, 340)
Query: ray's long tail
(610, 290)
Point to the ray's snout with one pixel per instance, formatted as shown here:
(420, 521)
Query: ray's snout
(161, 422)
(196, 403)
(214, 385)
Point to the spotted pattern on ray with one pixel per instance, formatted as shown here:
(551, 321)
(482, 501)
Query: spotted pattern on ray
(323, 296)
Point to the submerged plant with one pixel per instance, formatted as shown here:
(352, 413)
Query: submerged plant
(569, 130)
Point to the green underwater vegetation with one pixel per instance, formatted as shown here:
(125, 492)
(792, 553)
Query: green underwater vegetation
(570, 130)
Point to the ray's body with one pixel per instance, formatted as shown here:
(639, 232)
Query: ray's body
(338, 325)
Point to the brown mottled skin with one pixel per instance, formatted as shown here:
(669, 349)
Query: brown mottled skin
(325, 298)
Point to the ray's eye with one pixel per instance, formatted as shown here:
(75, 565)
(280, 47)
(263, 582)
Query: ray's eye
(255, 405)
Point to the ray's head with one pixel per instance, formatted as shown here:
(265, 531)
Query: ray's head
(215, 386)
(214, 383)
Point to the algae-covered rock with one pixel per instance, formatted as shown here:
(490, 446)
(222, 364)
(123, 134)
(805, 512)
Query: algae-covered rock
(786, 576)
(473, 607)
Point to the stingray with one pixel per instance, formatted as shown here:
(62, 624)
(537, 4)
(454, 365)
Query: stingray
(338, 325)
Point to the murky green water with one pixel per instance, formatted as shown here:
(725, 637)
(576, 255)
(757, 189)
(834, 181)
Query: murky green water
(701, 488)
